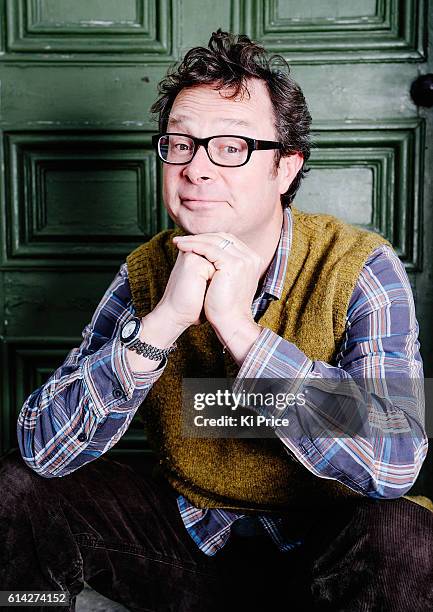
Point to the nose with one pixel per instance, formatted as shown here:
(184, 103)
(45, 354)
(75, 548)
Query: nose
(200, 169)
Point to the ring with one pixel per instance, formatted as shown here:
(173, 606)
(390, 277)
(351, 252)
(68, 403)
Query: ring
(225, 243)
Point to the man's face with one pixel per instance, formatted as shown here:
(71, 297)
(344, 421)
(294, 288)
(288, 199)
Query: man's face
(202, 197)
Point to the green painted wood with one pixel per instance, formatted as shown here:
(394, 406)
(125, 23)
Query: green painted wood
(80, 185)
(63, 195)
(336, 30)
(363, 176)
(46, 27)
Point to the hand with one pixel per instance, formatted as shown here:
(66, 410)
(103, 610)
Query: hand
(183, 298)
(230, 293)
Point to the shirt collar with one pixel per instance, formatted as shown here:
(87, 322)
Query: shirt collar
(274, 279)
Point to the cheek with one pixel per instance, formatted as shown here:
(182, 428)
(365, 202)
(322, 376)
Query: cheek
(170, 182)
(257, 180)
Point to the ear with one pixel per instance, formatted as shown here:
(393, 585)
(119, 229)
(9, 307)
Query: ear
(288, 168)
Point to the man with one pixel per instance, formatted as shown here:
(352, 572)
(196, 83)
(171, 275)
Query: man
(252, 288)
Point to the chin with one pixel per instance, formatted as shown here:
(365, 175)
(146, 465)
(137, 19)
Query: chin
(202, 225)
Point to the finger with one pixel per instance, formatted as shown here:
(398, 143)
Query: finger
(209, 250)
(219, 257)
(210, 268)
(216, 239)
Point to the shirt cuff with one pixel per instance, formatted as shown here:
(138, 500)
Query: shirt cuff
(110, 381)
(133, 380)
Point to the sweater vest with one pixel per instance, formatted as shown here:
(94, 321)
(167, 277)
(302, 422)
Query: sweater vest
(251, 474)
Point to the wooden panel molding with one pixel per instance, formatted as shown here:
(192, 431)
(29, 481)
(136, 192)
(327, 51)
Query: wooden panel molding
(393, 153)
(62, 30)
(394, 31)
(80, 197)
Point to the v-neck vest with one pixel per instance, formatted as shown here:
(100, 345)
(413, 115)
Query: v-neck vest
(325, 261)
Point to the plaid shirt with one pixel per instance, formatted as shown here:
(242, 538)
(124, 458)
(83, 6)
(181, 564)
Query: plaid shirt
(88, 403)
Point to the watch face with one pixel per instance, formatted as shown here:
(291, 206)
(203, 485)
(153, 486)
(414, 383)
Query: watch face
(129, 329)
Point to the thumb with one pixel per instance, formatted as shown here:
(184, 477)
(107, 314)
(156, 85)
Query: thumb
(208, 270)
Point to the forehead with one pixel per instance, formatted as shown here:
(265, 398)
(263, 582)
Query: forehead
(203, 104)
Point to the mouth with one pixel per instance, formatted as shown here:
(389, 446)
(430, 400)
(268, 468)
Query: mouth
(193, 203)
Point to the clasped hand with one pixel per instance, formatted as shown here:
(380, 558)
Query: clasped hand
(205, 277)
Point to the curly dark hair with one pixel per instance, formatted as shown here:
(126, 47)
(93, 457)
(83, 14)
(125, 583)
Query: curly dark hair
(228, 63)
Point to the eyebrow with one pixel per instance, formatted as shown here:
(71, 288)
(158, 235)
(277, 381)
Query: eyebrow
(179, 120)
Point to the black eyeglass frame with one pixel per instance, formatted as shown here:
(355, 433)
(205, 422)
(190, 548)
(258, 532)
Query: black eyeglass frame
(252, 143)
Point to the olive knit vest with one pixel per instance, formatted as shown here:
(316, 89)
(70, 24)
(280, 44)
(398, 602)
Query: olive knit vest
(325, 260)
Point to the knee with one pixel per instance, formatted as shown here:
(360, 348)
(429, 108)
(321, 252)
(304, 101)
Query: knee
(402, 517)
(403, 529)
(17, 480)
(382, 558)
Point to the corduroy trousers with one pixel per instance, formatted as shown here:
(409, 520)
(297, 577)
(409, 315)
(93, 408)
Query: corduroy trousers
(121, 532)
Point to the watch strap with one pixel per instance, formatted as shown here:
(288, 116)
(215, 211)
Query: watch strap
(149, 351)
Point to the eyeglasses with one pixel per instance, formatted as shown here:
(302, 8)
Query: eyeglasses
(225, 150)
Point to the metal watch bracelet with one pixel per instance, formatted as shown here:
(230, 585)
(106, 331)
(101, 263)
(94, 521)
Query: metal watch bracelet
(149, 351)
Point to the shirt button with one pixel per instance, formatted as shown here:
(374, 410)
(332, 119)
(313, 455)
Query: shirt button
(82, 437)
(117, 393)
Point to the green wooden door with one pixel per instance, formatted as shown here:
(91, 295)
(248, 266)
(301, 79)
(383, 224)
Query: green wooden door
(80, 185)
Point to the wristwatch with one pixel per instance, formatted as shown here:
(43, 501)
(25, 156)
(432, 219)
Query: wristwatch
(130, 337)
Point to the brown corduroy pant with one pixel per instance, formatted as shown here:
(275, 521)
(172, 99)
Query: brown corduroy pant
(121, 532)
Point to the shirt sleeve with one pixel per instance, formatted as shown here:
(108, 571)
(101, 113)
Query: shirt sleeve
(359, 420)
(88, 403)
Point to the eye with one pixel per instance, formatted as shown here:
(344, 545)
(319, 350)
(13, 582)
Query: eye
(182, 146)
(231, 149)
(230, 146)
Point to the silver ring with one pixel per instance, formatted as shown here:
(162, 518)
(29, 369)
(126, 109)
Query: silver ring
(225, 243)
